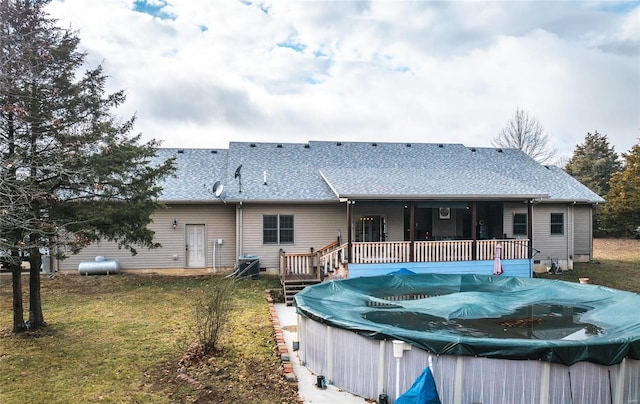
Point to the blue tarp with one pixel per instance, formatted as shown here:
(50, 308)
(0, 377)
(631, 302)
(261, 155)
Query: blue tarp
(423, 391)
(402, 271)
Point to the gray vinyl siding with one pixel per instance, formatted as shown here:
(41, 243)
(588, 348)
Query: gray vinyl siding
(315, 226)
(576, 242)
(510, 209)
(551, 245)
(583, 233)
(219, 222)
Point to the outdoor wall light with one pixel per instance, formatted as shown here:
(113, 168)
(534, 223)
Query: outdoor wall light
(175, 223)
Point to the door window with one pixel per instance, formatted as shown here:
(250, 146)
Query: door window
(370, 228)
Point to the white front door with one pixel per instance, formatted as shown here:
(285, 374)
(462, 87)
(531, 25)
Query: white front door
(195, 246)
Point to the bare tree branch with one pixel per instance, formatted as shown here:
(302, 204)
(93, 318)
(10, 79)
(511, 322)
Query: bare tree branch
(524, 132)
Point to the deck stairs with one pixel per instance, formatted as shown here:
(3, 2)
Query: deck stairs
(316, 266)
(291, 287)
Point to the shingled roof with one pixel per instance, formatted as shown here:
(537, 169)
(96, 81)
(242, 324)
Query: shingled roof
(323, 171)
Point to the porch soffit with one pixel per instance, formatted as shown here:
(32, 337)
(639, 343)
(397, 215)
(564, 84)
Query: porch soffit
(448, 200)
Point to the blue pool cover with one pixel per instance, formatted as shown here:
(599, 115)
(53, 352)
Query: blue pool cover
(488, 316)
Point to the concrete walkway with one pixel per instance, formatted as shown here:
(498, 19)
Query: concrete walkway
(288, 322)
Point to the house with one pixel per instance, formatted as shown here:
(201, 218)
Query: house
(366, 207)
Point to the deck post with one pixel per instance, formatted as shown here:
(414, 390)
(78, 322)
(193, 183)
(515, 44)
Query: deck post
(349, 251)
(412, 230)
(283, 272)
(314, 268)
(530, 228)
(474, 229)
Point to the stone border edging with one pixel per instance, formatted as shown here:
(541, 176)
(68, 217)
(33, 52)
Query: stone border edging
(282, 345)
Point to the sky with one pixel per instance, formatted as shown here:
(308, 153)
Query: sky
(202, 73)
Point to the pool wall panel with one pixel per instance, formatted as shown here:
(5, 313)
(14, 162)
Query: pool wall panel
(519, 268)
(354, 366)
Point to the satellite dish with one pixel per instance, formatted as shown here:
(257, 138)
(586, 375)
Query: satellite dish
(238, 174)
(217, 189)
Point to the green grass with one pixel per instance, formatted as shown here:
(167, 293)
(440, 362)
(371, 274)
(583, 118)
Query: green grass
(119, 339)
(616, 265)
(111, 338)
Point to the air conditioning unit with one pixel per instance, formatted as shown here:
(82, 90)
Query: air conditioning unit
(444, 213)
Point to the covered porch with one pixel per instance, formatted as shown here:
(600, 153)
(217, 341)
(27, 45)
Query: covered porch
(330, 260)
(298, 271)
(382, 231)
(437, 236)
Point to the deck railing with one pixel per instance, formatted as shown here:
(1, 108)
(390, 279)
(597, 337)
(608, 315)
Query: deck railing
(440, 251)
(297, 265)
(437, 251)
(511, 249)
(327, 259)
(331, 259)
(380, 252)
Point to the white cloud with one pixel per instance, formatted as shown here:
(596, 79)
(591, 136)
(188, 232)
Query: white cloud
(293, 71)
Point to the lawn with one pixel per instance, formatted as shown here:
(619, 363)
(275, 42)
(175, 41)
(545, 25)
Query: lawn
(616, 264)
(123, 338)
(120, 338)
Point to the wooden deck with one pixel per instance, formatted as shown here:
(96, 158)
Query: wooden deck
(302, 269)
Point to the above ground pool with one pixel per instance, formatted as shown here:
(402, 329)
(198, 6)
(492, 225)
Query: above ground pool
(488, 316)
(486, 339)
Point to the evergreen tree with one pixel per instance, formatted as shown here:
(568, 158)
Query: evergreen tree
(71, 174)
(594, 162)
(622, 210)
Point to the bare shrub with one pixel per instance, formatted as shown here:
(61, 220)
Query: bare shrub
(212, 314)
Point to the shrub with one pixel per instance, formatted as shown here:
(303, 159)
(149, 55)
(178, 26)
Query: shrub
(212, 314)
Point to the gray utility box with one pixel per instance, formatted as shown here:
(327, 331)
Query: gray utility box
(249, 265)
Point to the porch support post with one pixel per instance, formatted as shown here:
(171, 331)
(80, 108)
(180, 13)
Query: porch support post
(530, 228)
(412, 230)
(474, 224)
(349, 253)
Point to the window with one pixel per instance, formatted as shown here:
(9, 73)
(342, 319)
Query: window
(277, 229)
(519, 224)
(270, 229)
(369, 228)
(286, 229)
(557, 223)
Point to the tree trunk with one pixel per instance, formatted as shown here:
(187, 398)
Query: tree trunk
(18, 311)
(36, 319)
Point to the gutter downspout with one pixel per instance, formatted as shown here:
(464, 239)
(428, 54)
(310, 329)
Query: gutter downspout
(592, 211)
(530, 227)
(571, 239)
(239, 226)
(531, 249)
(349, 258)
(398, 352)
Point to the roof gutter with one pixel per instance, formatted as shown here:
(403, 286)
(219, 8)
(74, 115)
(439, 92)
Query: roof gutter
(454, 197)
